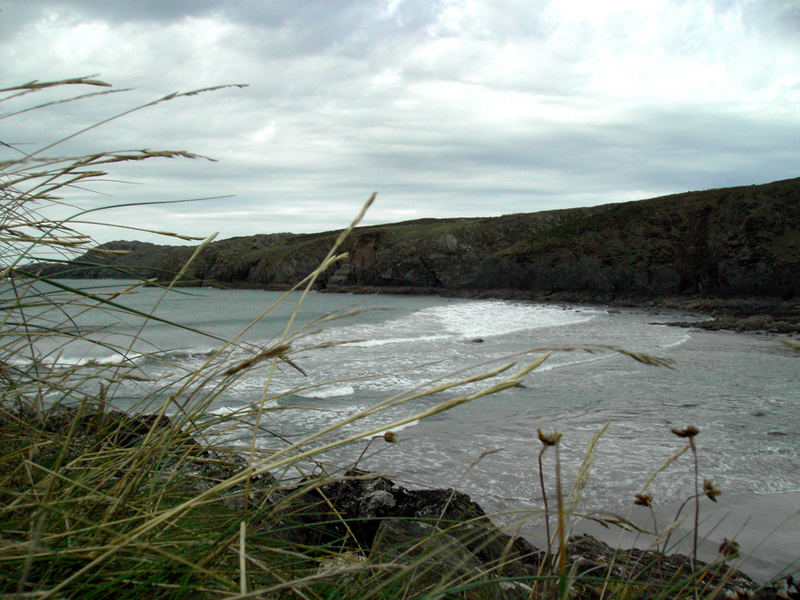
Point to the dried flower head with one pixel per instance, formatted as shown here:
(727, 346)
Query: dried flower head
(549, 439)
(686, 432)
(643, 500)
(390, 437)
(711, 490)
(729, 548)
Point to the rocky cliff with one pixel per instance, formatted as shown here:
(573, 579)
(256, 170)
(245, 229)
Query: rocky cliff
(731, 242)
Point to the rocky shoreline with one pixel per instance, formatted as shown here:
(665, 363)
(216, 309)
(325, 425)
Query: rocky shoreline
(751, 314)
(441, 533)
(754, 314)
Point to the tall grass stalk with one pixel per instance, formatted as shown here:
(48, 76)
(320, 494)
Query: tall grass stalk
(128, 521)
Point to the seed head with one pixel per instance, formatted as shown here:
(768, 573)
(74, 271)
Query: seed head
(711, 490)
(686, 432)
(643, 500)
(390, 437)
(729, 548)
(549, 439)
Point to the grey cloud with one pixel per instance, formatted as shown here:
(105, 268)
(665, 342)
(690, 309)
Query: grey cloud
(332, 133)
(648, 151)
(769, 16)
(140, 10)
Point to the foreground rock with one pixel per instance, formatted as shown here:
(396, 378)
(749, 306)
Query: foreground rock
(431, 539)
(360, 504)
(450, 540)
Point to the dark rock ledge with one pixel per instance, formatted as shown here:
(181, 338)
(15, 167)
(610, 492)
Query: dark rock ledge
(388, 522)
(450, 539)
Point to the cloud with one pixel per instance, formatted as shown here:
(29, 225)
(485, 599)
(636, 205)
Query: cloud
(445, 108)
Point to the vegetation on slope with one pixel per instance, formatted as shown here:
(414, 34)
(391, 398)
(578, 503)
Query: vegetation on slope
(731, 242)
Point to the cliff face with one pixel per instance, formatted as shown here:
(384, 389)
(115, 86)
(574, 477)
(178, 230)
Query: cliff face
(727, 242)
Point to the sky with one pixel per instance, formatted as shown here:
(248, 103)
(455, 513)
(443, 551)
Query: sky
(445, 108)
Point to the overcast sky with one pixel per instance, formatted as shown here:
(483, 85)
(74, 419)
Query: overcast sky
(445, 108)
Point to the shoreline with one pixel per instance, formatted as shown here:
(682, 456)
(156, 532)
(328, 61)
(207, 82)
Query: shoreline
(767, 314)
(766, 527)
(737, 313)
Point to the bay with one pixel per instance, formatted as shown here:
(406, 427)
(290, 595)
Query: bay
(740, 390)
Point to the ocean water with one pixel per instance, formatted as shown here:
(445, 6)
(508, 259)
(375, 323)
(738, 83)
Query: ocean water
(740, 390)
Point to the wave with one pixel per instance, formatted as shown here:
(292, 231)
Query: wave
(225, 410)
(327, 392)
(128, 358)
(187, 354)
(681, 340)
(550, 365)
(500, 317)
(398, 428)
(403, 340)
(240, 409)
(460, 320)
(74, 361)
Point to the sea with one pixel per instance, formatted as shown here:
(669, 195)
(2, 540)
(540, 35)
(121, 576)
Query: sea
(346, 353)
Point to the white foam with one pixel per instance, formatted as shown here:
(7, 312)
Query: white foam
(397, 428)
(403, 340)
(327, 392)
(462, 320)
(498, 317)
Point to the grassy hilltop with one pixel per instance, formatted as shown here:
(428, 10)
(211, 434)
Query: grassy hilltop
(731, 242)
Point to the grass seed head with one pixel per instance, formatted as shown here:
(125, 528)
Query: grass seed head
(686, 432)
(711, 490)
(549, 439)
(729, 549)
(643, 500)
(390, 437)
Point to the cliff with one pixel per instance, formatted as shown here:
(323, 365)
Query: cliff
(723, 243)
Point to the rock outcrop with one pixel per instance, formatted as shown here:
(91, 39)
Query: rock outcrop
(440, 535)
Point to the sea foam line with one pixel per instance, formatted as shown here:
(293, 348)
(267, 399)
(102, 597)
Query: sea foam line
(327, 392)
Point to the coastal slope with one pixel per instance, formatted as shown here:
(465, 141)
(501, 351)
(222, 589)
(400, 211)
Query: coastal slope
(724, 243)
